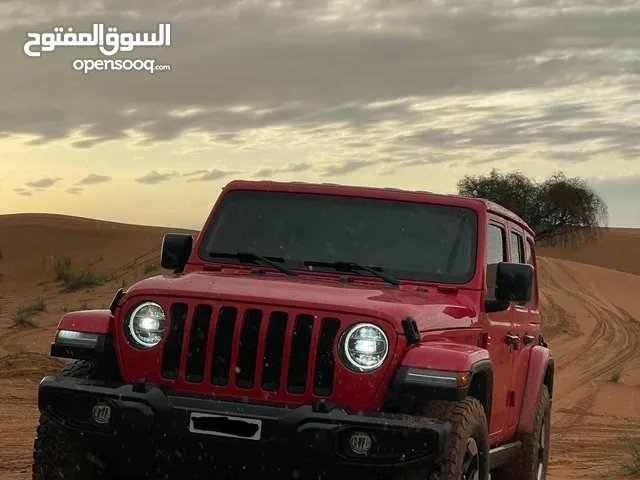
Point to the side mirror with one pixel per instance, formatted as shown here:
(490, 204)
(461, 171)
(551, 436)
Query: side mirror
(176, 249)
(514, 282)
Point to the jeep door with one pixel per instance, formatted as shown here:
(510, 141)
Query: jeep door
(499, 325)
(525, 323)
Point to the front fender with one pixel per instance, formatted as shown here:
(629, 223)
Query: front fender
(443, 355)
(88, 321)
(541, 371)
(445, 370)
(85, 335)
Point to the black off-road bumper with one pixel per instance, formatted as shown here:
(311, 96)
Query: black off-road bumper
(148, 428)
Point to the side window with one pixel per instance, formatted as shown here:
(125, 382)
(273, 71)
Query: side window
(530, 260)
(517, 254)
(517, 248)
(496, 253)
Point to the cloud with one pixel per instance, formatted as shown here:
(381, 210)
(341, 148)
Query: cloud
(358, 84)
(22, 192)
(43, 183)
(346, 167)
(208, 175)
(34, 186)
(94, 179)
(153, 177)
(267, 172)
(74, 190)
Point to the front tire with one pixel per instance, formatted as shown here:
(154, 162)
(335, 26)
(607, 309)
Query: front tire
(466, 457)
(60, 453)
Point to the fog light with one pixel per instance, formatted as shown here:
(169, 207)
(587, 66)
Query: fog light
(360, 443)
(101, 414)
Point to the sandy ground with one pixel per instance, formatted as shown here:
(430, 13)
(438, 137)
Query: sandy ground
(592, 320)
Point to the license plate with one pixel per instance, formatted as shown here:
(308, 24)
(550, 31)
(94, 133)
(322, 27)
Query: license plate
(225, 426)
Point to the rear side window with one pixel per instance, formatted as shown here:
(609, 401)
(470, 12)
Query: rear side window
(517, 248)
(529, 255)
(496, 253)
(517, 254)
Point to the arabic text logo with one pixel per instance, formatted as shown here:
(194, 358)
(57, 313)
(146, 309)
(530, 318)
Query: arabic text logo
(109, 44)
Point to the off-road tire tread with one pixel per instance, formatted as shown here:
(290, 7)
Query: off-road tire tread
(465, 416)
(524, 467)
(53, 444)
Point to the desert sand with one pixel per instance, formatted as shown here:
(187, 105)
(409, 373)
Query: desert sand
(589, 296)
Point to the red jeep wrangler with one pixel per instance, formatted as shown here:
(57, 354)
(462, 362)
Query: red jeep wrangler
(313, 330)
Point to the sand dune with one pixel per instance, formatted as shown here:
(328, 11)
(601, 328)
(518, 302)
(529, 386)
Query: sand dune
(592, 322)
(616, 249)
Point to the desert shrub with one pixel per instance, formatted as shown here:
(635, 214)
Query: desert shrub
(24, 317)
(82, 281)
(615, 376)
(631, 467)
(72, 282)
(62, 269)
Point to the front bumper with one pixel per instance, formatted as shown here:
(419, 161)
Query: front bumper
(177, 430)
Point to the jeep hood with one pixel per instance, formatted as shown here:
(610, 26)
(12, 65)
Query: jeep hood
(432, 310)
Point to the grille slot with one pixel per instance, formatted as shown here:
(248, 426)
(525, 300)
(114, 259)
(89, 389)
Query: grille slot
(270, 350)
(223, 346)
(248, 348)
(325, 361)
(300, 351)
(199, 334)
(173, 346)
(274, 352)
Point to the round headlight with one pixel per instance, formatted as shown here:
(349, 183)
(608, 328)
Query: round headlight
(146, 325)
(364, 347)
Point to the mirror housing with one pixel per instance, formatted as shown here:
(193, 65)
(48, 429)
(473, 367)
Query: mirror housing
(176, 250)
(514, 282)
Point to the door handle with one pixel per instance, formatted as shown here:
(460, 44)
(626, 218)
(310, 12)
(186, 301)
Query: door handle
(528, 339)
(512, 340)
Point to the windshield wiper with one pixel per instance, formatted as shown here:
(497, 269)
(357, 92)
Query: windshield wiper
(255, 258)
(353, 266)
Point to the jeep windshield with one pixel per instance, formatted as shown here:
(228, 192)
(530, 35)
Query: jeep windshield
(405, 240)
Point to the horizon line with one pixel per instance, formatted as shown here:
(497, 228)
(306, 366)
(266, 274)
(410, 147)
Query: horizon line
(103, 220)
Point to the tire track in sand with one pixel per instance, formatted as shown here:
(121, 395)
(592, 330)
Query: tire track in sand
(580, 435)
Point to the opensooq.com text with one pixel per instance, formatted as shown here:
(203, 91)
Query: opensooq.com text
(119, 65)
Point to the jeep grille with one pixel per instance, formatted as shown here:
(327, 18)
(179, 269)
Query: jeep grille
(249, 347)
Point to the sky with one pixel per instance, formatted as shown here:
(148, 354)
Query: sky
(391, 93)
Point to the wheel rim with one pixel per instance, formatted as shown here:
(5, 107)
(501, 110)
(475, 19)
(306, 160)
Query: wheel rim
(471, 462)
(542, 448)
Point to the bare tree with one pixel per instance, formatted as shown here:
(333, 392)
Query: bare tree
(560, 210)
